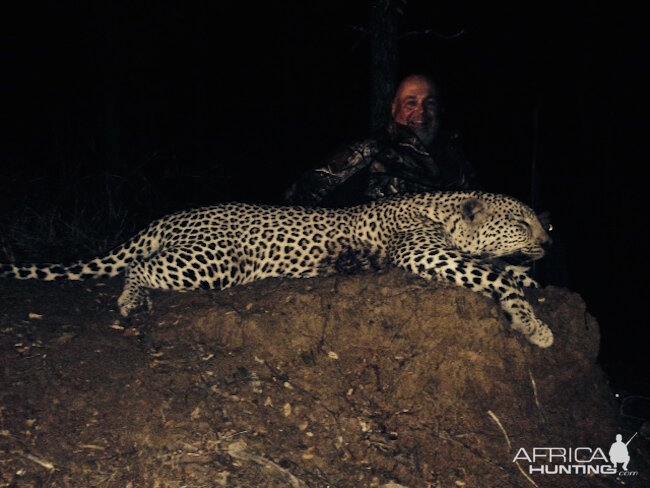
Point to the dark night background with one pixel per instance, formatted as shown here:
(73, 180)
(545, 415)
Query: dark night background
(116, 113)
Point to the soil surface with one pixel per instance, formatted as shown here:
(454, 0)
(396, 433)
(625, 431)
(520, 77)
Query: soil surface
(347, 381)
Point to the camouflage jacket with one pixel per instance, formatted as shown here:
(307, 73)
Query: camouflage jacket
(394, 162)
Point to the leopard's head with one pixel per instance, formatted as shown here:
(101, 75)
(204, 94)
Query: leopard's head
(492, 225)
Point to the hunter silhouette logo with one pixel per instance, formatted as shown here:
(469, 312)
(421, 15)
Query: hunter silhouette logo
(618, 452)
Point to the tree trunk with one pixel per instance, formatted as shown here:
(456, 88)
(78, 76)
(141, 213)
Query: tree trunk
(111, 85)
(383, 62)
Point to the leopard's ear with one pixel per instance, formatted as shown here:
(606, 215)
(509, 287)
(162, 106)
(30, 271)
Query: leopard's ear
(473, 210)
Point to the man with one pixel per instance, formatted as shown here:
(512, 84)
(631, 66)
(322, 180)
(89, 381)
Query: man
(411, 155)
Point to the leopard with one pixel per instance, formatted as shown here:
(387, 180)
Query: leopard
(460, 237)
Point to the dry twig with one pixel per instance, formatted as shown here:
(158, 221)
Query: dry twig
(41, 462)
(498, 422)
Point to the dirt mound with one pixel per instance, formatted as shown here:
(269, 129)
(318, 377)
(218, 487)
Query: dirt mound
(373, 380)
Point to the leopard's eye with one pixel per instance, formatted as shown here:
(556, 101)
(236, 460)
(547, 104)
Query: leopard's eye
(525, 225)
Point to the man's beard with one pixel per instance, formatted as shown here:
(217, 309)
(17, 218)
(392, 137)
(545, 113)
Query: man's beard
(426, 134)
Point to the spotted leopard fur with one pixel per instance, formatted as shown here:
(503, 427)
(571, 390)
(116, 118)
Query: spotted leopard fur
(457, 237)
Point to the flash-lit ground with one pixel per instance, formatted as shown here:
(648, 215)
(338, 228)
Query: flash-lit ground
(342, 381)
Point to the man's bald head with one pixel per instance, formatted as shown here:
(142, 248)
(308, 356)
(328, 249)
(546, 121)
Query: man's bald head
(415, 106)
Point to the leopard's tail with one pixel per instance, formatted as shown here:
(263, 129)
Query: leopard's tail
(112, 264)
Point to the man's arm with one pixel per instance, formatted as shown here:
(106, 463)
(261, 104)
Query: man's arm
(315, 186)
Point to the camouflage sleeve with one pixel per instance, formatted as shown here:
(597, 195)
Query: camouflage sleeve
(382, 185)
(314, 186)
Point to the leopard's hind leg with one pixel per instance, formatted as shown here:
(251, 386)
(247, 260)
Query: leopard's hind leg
(135, 294)
(176, 268)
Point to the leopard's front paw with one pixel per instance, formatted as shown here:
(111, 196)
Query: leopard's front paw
(542, 336)
(520, 275)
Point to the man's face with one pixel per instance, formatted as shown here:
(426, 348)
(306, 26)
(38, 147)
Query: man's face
(415, 107)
